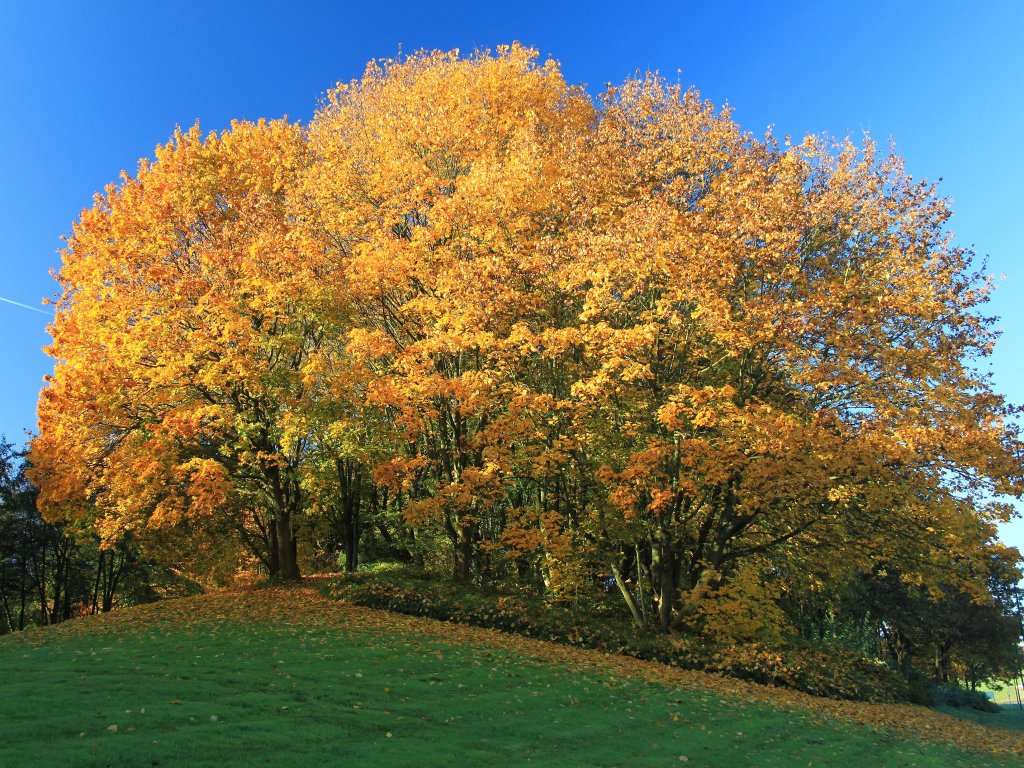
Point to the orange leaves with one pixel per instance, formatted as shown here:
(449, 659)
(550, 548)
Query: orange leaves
(692, 409)
(493, 293)
(711, 326)
(370, 344)
(208, 484)
(397, 473)
(181, 313)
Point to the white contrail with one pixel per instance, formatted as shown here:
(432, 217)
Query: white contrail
(25, 306)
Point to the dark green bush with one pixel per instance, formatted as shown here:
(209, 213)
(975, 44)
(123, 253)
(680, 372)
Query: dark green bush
(832, 673)
(920, 688)
(955, 696)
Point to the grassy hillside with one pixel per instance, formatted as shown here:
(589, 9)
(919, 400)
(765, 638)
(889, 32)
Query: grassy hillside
(280, 677)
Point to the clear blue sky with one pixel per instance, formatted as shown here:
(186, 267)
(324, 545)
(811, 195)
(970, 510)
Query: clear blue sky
(87, 89)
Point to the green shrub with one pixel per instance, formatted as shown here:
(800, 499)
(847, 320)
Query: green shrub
(955, 696)
(832, 673)
(920, 687)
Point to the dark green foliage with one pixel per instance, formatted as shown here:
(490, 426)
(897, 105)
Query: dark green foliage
(52, 572)
(961, 628)
(825, 671)
(955, 696)
(833, 673)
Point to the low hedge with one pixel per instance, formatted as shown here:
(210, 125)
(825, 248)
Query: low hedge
(832, 673)
(955, 696)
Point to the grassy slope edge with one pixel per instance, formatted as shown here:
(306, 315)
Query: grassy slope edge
(286, 677)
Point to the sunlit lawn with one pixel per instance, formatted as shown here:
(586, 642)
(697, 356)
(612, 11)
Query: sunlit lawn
(184, 686)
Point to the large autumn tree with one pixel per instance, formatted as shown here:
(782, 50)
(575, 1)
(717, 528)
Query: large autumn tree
(541, 336)
(780, 346)
(179, 339)
(440, 187)
(630, 331)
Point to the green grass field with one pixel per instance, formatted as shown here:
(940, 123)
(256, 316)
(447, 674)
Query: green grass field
(1005, 694)
(260, 679)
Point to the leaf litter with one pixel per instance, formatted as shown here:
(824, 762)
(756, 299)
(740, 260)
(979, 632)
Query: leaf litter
(308, 614)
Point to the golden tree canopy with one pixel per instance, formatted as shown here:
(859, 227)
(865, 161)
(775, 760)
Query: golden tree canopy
(570, 327)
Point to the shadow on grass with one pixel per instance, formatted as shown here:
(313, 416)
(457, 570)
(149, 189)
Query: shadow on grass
(1011, 716)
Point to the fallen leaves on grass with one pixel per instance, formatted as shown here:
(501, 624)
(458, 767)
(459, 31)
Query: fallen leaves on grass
(302, 608)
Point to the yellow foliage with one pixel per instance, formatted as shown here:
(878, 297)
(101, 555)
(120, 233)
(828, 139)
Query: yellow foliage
(560, 326)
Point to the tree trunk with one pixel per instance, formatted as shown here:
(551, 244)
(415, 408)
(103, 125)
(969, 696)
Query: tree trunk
(8, 615)
(942, 662)
(285, 499)
(897, 645)
(274, 556)
(352, 545)
(664, 581)
(401, 553)
(23, 595)
(350, 483)
(97, 582)
(630, 603)
(453, 536)
(464, 570)
(115, 567)
(286, 548)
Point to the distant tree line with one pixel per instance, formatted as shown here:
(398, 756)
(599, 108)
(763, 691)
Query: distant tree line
(54, 571)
